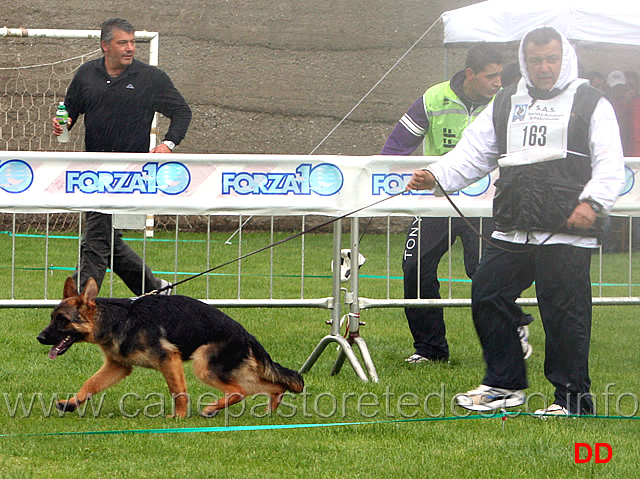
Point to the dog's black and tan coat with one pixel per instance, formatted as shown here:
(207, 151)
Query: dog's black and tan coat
(160, 332)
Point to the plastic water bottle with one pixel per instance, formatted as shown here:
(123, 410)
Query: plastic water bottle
(62, 116)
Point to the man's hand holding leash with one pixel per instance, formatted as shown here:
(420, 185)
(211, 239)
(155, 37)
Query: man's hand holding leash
(422, 180)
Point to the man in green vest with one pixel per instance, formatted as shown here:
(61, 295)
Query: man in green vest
(437, 120)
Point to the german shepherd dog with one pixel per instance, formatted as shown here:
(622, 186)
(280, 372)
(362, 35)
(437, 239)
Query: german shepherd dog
(160, 332)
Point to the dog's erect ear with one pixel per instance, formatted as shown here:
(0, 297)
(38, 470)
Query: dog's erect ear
(90, 290)
(69, 288)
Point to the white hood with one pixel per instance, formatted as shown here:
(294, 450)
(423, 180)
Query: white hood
(569, 69)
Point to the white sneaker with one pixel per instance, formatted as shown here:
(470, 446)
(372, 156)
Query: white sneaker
(486, 398)
(527, 349)
(417, 358)
(164, 283)
(553, 410)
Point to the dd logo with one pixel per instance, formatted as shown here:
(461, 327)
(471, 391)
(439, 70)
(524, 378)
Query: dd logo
(589, 454)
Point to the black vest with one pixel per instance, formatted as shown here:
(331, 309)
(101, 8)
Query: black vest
(542, 196)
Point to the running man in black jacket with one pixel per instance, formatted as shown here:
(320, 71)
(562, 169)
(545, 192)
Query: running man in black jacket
(119, 97)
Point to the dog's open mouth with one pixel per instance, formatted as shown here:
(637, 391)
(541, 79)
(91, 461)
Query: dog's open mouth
(61, 347)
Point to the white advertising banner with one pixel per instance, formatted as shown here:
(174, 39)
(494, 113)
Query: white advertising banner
(41, 182)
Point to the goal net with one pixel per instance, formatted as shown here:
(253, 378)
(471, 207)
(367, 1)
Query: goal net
(36, 67)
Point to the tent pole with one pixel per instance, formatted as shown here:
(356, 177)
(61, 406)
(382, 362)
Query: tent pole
(446, 63)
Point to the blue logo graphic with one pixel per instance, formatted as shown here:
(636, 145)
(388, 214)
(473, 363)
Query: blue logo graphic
(170, 178)
(629, 180)
(478, 188)
(519, 112)
(16, 176)
(393, 183)
(324, 179)
(173, 178)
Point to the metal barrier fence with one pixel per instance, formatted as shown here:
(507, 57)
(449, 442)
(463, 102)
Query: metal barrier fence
(624, 281)
(334, 301)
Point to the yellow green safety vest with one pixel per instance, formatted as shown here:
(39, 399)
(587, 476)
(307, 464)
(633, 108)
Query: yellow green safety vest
(448, 117)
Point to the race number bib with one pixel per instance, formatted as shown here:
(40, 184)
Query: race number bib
(540, 123)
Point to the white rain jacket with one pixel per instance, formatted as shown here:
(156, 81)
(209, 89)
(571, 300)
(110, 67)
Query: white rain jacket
(477, 154)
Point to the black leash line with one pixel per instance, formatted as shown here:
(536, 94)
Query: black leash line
(333, 220)
(264, 248)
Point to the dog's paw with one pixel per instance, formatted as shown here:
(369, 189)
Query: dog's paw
(66, 406)
(177, 415)
(209, 413)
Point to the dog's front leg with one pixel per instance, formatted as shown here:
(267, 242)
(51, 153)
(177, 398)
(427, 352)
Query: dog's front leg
(173, 371)
(109, 374)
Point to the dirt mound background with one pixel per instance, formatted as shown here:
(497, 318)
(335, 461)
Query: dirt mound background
(277, 76)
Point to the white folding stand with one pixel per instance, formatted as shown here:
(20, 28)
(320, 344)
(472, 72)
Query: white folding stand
(351, 298)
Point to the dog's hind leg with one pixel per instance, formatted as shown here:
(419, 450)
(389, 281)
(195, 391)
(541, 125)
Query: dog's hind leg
(109, 374)
(173, 371)
(232, 394)
(276, 399)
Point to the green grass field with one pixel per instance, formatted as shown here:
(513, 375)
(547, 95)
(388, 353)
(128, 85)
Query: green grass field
(405, 426)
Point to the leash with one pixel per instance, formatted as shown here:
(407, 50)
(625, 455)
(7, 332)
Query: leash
(297, 235)
(272, 245)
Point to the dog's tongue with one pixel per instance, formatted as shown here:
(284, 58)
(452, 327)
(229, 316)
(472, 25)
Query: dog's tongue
(60, 347)
(53, 352)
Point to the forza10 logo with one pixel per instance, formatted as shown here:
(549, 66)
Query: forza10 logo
(169, 178)
(324, 179)
(393, 183)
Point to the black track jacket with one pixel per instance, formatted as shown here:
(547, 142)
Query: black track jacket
(119, 111)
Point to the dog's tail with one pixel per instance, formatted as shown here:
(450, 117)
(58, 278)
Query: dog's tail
(277, 373)
(274, 372)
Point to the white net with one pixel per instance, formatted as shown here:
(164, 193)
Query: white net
(35, 73)
(35, 79)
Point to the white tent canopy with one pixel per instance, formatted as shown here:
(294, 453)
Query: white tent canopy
(604, 21)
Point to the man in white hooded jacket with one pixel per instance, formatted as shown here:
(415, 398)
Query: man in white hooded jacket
(556, 142)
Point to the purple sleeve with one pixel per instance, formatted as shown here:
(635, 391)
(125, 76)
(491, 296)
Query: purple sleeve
(409, 132)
